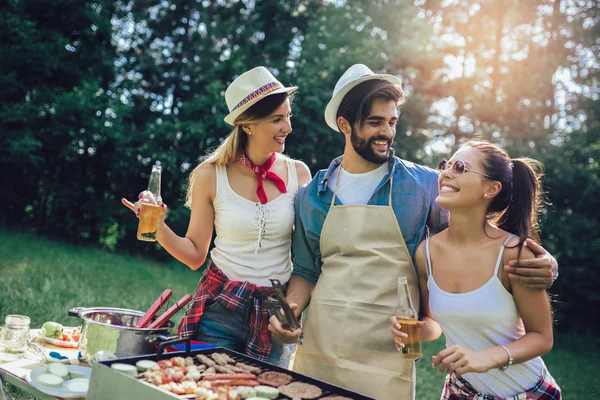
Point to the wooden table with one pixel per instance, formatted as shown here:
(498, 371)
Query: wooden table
(16, 368)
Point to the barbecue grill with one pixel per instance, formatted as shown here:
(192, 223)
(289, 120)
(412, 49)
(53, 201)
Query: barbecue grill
(107, 383)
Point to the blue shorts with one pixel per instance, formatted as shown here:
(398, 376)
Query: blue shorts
(223, 327)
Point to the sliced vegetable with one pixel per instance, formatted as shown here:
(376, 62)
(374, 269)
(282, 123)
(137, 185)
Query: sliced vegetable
(78, 385)
(50, 380)
(58, 369)
(127, 369)
(246, 391)
(143, 365)
(77, 375)
(266, 391)
(57, 360)
(72, 337)
(52, 329)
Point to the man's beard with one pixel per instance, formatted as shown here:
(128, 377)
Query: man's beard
(364, 148)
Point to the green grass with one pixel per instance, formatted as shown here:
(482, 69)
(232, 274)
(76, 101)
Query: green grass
(43, 279)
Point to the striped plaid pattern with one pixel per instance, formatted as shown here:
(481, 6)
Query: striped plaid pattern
(234, 295)
(460, 389)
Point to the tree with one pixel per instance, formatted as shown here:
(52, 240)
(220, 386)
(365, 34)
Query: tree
(56, 68)
(503, 64)
(571, 227)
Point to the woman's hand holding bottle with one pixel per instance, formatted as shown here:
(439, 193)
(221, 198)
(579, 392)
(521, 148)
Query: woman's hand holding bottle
(399, 333)
(145, 197)
(151, 211)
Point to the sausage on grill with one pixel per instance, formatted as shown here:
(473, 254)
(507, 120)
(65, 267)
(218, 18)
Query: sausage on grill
(246, 375)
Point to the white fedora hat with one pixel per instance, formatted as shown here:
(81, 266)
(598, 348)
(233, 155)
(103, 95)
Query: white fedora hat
(250, 87)
(356, 74)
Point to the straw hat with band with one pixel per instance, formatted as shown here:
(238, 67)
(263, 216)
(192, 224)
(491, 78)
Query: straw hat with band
(355, 75)
(249, 88)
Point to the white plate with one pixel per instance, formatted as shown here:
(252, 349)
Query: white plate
(62, 343)
(58, 392)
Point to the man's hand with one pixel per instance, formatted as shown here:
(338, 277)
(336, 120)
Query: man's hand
(283, 333)
(536, 273)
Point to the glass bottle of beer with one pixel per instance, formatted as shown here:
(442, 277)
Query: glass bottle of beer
(150, 210)
(407, 317)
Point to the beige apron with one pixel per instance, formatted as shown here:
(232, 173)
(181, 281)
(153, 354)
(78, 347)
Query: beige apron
(347, 332)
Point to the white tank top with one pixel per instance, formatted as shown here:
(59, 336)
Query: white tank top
(253, 240)
(480, 319)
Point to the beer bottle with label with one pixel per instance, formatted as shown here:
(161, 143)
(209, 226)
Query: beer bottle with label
(407, 317)
(150, 208)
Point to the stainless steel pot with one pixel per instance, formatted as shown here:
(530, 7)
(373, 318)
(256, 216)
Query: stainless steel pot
(113, 330)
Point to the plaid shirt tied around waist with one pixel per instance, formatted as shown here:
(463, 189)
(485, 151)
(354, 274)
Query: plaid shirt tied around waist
(458, 388)
(234, 295)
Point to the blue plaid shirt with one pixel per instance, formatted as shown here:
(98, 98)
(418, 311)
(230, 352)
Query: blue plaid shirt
(413, 201)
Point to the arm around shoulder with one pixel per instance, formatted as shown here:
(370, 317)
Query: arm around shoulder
(537, 270)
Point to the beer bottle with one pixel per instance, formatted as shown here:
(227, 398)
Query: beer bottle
(151, 210)
(407, 317)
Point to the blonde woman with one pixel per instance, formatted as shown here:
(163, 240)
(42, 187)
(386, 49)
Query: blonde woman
(245, 191)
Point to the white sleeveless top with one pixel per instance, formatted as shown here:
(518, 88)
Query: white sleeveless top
(253, 240)
(480, 319)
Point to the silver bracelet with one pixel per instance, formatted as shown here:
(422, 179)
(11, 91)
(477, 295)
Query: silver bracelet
(510, 359)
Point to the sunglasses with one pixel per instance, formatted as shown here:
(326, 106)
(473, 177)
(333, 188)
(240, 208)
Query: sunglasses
(459, 167)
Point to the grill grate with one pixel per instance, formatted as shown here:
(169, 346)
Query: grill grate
(328, 389)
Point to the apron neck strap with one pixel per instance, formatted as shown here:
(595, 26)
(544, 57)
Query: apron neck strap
(337, 182)
(391, 189)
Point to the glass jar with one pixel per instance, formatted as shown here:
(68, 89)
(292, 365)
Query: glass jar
(14, 337)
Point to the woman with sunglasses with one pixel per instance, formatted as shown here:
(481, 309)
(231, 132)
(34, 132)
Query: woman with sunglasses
(245, 191)
(496, 329)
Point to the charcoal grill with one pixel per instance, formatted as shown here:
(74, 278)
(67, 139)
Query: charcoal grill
(107, 383)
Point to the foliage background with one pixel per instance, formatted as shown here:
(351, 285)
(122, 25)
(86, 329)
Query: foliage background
(95, 92)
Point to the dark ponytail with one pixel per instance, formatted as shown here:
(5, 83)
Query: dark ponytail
(521, 215)
(515, 209)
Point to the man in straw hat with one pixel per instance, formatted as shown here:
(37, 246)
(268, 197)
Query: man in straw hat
(353, 236)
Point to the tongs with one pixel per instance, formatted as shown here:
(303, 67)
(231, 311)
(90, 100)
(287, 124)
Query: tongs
(158, 304)
(280, 303)
(164, 318)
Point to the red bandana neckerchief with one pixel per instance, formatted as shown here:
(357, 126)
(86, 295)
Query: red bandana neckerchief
(262, 172)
